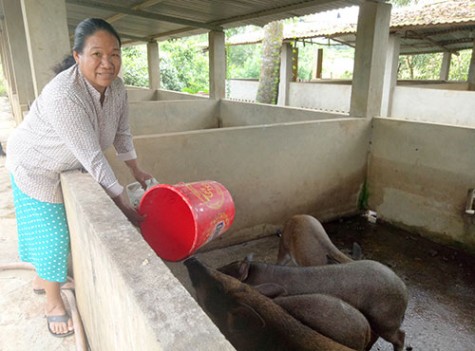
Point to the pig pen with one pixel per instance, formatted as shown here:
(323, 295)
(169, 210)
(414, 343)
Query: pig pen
(277, 162)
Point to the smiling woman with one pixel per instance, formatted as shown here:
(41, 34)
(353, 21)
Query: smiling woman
(80, 112)
(99, 59)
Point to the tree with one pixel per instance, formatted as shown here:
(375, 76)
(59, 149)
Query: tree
(269, 76)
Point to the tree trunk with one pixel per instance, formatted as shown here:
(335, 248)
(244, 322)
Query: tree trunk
(267, 91)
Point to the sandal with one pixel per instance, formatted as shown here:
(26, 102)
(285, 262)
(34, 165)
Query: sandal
(59, 319)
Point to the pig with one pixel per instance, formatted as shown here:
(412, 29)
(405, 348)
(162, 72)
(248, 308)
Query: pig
(250, 320)
(329, 316)
(369, 286)
(304, 242)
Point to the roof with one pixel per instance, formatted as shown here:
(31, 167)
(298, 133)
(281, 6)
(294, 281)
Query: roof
(443, 25)
(146, 20)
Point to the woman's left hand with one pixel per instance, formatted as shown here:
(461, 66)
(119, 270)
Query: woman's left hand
(141, 177)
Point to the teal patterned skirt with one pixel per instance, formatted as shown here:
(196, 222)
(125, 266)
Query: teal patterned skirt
(43, 235)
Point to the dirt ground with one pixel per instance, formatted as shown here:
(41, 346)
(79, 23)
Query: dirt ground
(441, 281)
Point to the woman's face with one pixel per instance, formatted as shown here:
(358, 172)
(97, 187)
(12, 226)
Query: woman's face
(100, 60)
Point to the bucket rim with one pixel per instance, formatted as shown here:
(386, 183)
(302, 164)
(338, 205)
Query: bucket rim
(188, 205)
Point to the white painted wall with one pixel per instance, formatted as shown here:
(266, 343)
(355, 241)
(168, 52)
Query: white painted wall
(434, 105)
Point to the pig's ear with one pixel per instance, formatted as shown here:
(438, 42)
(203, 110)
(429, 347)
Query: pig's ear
(271, 290)
(245, 318)
(244, 269)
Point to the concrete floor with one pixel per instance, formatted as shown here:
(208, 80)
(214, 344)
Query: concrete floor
(440, 281)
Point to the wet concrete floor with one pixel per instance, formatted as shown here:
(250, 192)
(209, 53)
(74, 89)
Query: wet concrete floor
(441, 281)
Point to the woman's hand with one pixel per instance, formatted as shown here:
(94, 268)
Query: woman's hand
(139, 175)
(127, 209)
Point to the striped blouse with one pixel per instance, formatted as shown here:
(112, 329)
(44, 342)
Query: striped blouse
(68, 128)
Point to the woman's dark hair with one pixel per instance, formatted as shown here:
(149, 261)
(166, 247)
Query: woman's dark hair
(67, 62)
(87, 28)
(84, 30)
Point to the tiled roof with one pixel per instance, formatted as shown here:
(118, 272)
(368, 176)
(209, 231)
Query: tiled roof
(442, 25)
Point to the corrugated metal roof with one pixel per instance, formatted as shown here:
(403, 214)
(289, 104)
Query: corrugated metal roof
(147, 20)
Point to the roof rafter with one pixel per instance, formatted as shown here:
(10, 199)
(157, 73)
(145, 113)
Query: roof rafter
(144, 14)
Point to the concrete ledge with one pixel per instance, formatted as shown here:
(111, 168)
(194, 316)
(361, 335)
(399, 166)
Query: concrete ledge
(159, 117)
(127, 297)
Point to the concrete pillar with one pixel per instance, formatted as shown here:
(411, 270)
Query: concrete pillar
(6, 60)
(390, 74)
(217, 65)
(15, 31)
(471, 70)
(445, 68)
(153, 59)
(47, 37)
(286, 74)
(7, 66)
(370, 55)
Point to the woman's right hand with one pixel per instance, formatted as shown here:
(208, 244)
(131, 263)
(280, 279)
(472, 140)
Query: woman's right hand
(127, 209)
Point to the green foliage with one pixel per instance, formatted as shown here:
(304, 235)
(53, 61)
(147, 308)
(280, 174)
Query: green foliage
(459, 65)
(243, 61)
(184, 66)
(427, 66)
(424, 66)
(134, 62)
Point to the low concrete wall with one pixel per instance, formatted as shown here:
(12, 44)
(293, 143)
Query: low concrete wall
(434, 105)
(153, 117)
(419, 176)
(242, 89)
(235, 114)
(272, 171)
(141, 94)
(321, 96)
(163, 94)
(127, 297)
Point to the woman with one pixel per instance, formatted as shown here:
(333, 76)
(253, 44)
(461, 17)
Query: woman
(80, 113)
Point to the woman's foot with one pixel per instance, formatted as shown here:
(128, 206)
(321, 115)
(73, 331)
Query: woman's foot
(60, 324)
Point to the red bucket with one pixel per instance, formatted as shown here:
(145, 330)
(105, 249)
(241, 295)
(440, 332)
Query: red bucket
(181, 218)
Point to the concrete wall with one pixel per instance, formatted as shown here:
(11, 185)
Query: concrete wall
(419, 176)
(434, 105)
(234, 114)
(163, 94)
(427, 101)
(152, 117)
(272, 171)
(321, 96)
(242, 89)
(146, 94)
(327, 96)
(128, 298)
(141, 94)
